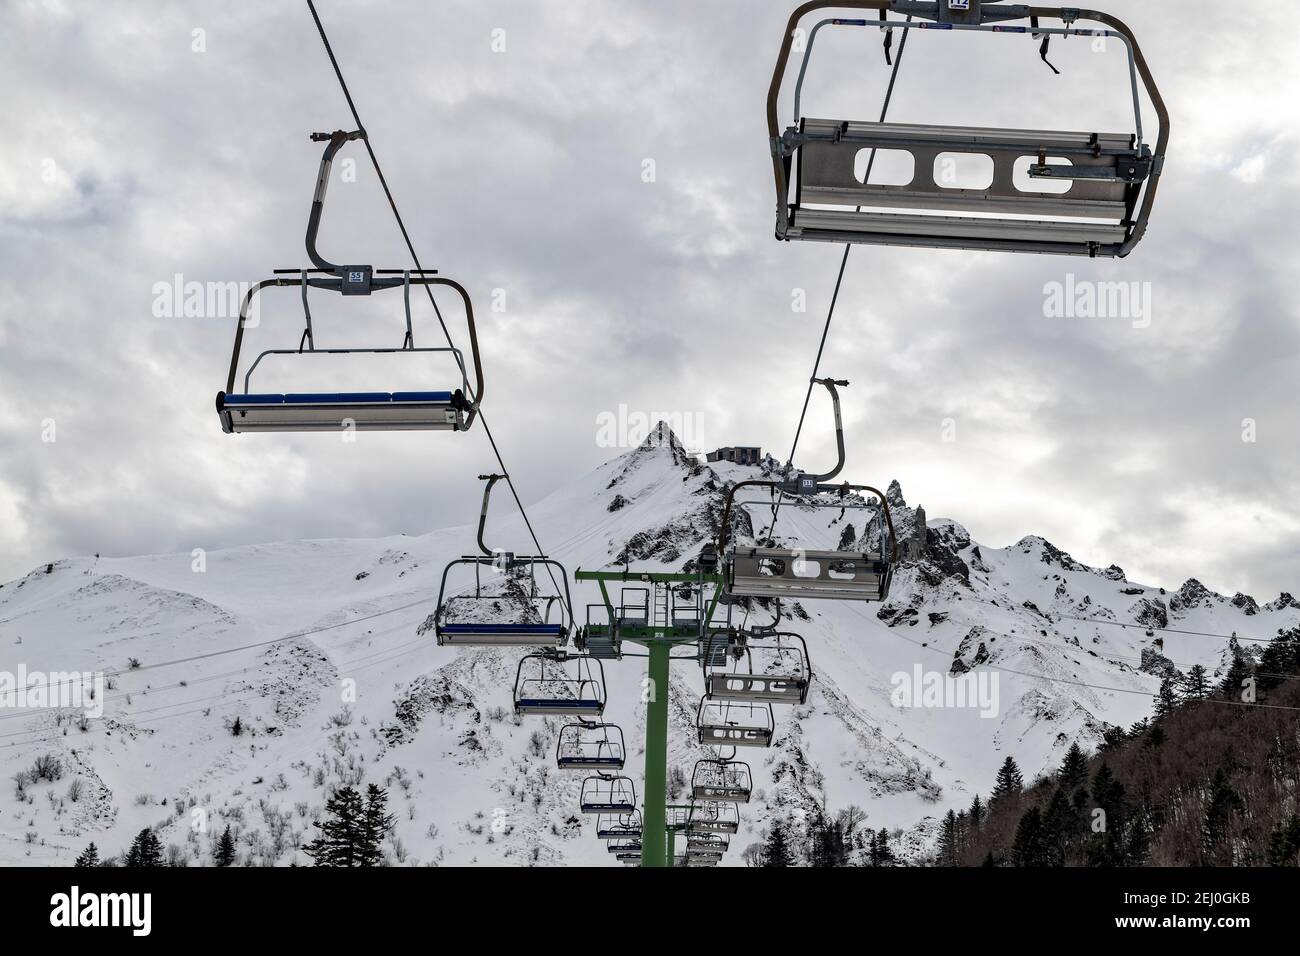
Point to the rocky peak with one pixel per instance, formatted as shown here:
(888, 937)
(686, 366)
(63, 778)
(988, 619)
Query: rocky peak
(1192, 594)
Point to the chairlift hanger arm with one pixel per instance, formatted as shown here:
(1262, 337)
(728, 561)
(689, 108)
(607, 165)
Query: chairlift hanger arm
(482, 517)
(333, 143)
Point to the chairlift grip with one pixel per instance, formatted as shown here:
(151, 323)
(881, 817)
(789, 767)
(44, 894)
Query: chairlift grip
(482, 517)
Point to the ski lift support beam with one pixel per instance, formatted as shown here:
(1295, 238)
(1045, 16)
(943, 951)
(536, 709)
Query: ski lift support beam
(658, 640)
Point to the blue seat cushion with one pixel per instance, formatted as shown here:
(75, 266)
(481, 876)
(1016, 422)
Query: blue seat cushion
(338, 398)
(342, 398)
(501, 629)
(254, 399)
(558, 702)
(441, 398)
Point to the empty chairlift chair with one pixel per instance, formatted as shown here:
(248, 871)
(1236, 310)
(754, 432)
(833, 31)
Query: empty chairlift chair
(525, 592)
(722, 781)
(622, 847)
(707, 843)
(449, 407)
(733, 723)
(1111, 176)
(555, 683)
(605, 793)
(771, 572)
(713, 817)
(619, 826)
(590, 746)
(768, 667)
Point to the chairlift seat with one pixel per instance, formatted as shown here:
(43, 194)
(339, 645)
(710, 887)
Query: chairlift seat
(560, 706)
(813, 575)
(613, 795)
(721, 792)
(721, 781)
(713, 817)
(330, 411)
(590, 762)
(500, 635)
(583, 746)
(774, 688)
(716, 826)
(730, 724)
(618, 831)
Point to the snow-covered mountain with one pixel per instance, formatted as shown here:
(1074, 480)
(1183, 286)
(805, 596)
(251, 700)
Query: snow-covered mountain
(345, 684)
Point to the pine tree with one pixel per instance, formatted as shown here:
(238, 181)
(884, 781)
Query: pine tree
(1107, 848)
(1231, 686)
(375, 826)
(1196, 685)
(777, 851)
(1009, 783)
(146, 850)
(949, 840)
(342, 833)
(1059, 829)
(1280, 659)
(1111, 738)
(89, 856)
(224, 854)
(881, 854)
(976, 814)
(1074, 768)
(1222, 803)
(1028, 847)
(1166, 701)
(1283, 845)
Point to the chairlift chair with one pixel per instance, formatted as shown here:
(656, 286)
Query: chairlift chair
(734, 723)
(771, 572)
(556, 683)
(771, 667)
(453, 408)
(724, 781)
(623, 846)
(713, 817)
(1112, 176)
(606, 793)
(590, 746)
(703, 857)
(707, 843)
(535, 629)
(619, 826)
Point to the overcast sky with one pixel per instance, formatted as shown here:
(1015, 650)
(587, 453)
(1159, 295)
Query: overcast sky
(137, 149)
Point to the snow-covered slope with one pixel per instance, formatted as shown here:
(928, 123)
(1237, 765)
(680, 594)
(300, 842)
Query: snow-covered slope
(337, 679)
